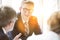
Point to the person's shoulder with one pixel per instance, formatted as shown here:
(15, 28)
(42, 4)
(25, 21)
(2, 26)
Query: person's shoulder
(53, 35)
(1, 33)
(33, 17)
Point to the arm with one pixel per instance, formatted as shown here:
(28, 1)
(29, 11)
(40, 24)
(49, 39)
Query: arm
(37, 29)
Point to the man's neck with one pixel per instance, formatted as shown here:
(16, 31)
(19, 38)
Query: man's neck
(25, 18)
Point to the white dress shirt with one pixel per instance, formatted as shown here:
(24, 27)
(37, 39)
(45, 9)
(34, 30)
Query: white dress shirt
(48, 36)
(25, 21)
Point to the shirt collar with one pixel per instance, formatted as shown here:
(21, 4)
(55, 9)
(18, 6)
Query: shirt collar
(24, 20)
(4, 30)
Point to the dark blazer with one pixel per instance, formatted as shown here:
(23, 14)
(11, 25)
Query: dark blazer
(20, 28)
(3, 36)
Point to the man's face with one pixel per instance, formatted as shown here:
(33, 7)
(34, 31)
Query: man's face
(27, 10)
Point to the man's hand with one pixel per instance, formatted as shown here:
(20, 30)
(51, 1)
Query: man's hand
(17, 37)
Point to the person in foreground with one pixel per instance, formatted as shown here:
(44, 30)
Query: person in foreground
(54, 23)
(7, 20)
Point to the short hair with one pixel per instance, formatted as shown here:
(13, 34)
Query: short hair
(6, 15)
(28, 2)
(54, 22)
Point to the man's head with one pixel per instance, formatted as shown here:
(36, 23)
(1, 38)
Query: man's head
(27, 8)
(54, 22)
(7, 17)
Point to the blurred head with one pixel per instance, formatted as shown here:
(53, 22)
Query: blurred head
(7, 17)
(54, 22)
(27, 8)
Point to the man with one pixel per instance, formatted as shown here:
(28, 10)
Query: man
(7, 21)
(26, 23)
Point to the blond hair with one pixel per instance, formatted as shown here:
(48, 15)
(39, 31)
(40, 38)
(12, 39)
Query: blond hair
(27, 2)
(54, 22)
